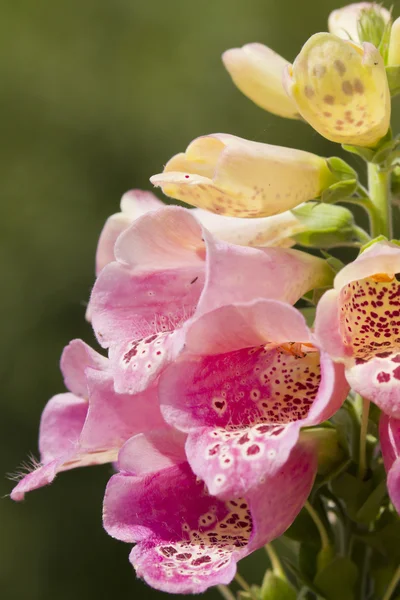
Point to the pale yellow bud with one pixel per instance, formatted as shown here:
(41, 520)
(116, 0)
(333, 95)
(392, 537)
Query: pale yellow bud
(343, 22)
(394, 45)
(341, 89)
(231, 176)
(257, 71)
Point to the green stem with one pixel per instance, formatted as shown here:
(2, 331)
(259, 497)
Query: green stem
(225, 592)
(379, 193)
(362, 463)
(392, 585)
(361, 234)
(275, 562)
(242, 582)
(319, 524)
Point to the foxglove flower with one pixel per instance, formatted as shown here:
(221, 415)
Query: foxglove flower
(169, 269)
(231, 176)
(278, 230)
(89, 424)
(249, 378)
(358, 324)
(258, 71)
(394, 45)
(186, 539)
(341, 89)
(389, 435)
(344, 22)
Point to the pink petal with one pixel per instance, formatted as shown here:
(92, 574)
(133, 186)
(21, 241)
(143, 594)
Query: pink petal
(189, 540)
(133, 204)
(389, 435)
(327, 326)
(75, 359)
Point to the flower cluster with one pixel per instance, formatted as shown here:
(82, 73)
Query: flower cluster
(213, 382)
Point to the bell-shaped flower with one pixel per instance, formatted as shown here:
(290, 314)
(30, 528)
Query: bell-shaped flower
(358, 324)
(345, 22)
(258, 71)
(341, 89)
(394, 45)
(169, 269)
(188, 540)
(231, 176)
(279, 230)
(389, 437)
(249, 378)
(89, 424)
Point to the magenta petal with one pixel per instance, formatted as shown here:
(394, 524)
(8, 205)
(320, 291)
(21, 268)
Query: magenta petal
(189, 540)
(152, 451)
(389, 435)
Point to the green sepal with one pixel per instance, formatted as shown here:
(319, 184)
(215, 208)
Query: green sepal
(325, 440)
(365, 153)
(386, 151)
(334, 263)
(393, 76)
(326, 226)
(274, 587)
(372, 28)
(337, 192)
(371, 507)
(337, 579)
(325, 556)
(341, 169)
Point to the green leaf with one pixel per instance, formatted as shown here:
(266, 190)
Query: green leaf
(393, 76)
(352, 492)
(336, 581)
(303, 579)
(325, 440)
(276, 588)
(347, 426)
(371, 507)
(308, 554)
(304, 528)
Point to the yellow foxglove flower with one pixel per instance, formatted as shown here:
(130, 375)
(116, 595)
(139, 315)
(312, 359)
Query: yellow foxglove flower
(341, 89)
(231, 176)
(344, 22)
(257, 71)
(394, 44)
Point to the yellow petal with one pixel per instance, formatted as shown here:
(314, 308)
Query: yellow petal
(231, 176)
(257, 71)
(341, 89)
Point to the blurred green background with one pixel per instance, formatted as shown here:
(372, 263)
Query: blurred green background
(96, 95)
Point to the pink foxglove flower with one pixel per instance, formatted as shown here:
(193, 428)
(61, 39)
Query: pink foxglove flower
(186, 539)
(235, 177)
(249, 378)
(278, 230)
(89, 424)
(389, 435)
(358, 324)
(169, 269)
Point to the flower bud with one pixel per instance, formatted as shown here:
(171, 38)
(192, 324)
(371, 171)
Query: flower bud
(341, 89)
(228, 175)
(394, 44)
(359, 22)
(257, 71)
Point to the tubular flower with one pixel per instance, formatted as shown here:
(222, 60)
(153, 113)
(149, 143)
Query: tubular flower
(257, 71)
(89, 424)
(168, 270)
(249, 378)
(186, 539)
(341, 89)
(394, 45)
(389, 436)
(358, 324)
(228, 175)
(278, 231)
(344, 22)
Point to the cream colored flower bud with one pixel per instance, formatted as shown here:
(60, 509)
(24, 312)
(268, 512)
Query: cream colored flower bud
(341, 89)
(343, 22)
(257, 71)
(394, 45)
(231, 176)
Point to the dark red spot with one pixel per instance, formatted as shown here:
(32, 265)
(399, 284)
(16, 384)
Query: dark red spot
(254, 449)
(383, 377)
(201, 560)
